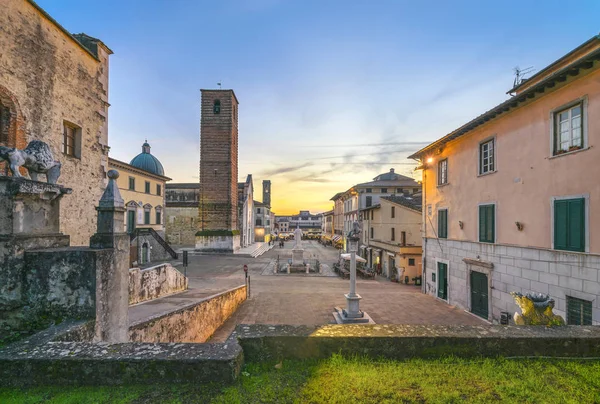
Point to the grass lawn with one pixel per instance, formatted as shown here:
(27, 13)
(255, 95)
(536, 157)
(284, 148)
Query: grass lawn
(339, 380)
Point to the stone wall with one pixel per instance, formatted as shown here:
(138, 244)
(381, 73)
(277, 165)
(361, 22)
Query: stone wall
(151, 283)
(278, 342)
(514, 269)
(50, 78)
(181, 224)
(193, 323)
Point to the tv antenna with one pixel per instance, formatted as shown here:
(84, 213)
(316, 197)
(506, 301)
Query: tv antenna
(219, 84)
(521, 73)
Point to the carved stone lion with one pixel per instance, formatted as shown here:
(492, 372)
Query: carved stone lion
(536, 309)
(36, 158)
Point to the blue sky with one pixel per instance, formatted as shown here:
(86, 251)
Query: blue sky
(331, 92)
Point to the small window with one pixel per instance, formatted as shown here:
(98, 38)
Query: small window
(147, 187)
(369, 201)
(487, 223)
(259, 222)
(369, 190)
(399, 191)
(158, 217)
(443, 223)
(569, 224)
(71, 140)
(579, 311)
(131, 183)
(384, 190)
(393, 212)
(487, 157)
(372, 232)
(411, 262)
(443, 172)
(372, 214)
(158, 190)
(147, 217)
(568, 133)
(257, 210)
(393, 234)
(217, 107)
(403, 237)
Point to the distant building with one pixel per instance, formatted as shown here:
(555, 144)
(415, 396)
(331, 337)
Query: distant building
(306, 221)
(246, 211)
(283, 223)
(392, 236)
(54, 88)
(142, 187)
(262, 222)
(327, 223)
(181, 213)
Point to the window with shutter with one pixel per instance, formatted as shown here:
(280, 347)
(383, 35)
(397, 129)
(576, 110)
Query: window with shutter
(569, 224)
(579, 311)
(443, 223)
(487, 223)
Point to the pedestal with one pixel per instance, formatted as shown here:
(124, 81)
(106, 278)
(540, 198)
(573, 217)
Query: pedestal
(352, 314)
(220, 244)
(297, 256)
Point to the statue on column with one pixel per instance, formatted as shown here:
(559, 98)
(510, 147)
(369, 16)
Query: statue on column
(36, 158)
(297, 238)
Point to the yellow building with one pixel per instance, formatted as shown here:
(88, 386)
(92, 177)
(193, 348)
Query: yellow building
(392, 236)
(142, 187)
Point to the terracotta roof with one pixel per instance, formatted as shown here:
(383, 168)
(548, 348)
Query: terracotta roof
(412, 202)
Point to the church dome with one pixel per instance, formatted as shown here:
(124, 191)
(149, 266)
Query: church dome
(147, 162)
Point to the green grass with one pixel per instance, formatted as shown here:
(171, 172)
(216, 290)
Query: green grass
(339, 380)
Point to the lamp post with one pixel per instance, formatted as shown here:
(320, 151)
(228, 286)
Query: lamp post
(352, 314)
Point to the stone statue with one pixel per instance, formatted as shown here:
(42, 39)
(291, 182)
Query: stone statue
(536, 309)
(36, 158)
(297, 239)
(355, 232)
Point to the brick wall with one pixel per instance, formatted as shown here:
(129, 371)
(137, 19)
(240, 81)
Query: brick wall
(218, 161)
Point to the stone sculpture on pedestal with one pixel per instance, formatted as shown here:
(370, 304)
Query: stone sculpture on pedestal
(536, 309)
(36, 158)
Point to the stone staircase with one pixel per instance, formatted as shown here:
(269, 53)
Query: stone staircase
(254, 250)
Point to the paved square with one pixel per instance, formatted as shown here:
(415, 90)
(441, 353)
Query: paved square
(300, 299)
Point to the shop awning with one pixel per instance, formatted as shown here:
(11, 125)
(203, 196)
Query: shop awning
(362, 247)
(390, 254)
(347, 258)
(377, 250)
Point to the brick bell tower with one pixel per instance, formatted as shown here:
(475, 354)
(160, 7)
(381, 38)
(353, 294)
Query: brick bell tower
(218, 221)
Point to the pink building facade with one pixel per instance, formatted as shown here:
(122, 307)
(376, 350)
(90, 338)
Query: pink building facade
(512, 198)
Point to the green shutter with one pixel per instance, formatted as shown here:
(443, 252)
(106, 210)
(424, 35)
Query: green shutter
(443, 223)
(569, 224)
(561, 211)
(576, 225)
(487, 224)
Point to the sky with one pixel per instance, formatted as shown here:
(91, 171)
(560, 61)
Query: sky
(332, 92)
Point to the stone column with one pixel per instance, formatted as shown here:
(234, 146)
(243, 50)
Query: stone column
(112, 275)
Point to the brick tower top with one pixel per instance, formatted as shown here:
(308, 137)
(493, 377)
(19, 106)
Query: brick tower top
(218, 160)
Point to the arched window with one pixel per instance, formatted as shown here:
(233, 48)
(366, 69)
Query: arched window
(217, 107)
(12, 131)
(158, 210)
(147, 209)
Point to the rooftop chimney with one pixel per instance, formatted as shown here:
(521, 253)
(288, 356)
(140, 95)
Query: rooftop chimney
(391, 170)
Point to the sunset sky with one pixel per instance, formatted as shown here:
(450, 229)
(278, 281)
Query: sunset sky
(331, 93)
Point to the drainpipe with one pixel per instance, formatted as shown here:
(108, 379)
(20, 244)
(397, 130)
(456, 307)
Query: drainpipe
(424, 229)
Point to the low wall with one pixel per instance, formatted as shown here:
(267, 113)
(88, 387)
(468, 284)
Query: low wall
(266, 343)
(151, 283)
(193, 323)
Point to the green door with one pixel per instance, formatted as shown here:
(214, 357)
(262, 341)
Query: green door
(442, 280)
(479, 294)
(130, 221)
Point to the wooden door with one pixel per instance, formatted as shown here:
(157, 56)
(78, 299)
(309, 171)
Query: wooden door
(479, 294)
(443, 281)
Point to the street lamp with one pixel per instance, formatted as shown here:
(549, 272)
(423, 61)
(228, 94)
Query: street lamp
(352, 313)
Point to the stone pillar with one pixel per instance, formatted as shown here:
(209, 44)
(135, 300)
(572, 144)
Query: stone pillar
(112, 276)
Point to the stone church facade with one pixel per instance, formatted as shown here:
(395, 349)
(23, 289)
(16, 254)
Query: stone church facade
(54, 88)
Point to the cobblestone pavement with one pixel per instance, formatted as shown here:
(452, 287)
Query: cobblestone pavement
(301, 299)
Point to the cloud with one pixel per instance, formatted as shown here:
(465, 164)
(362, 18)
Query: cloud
(282, 170)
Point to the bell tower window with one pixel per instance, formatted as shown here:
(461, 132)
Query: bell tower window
(217, 107)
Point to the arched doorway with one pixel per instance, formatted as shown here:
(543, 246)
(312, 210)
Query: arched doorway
(12, 127)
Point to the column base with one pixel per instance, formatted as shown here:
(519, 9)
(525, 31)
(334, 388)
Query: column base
(341, 317)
